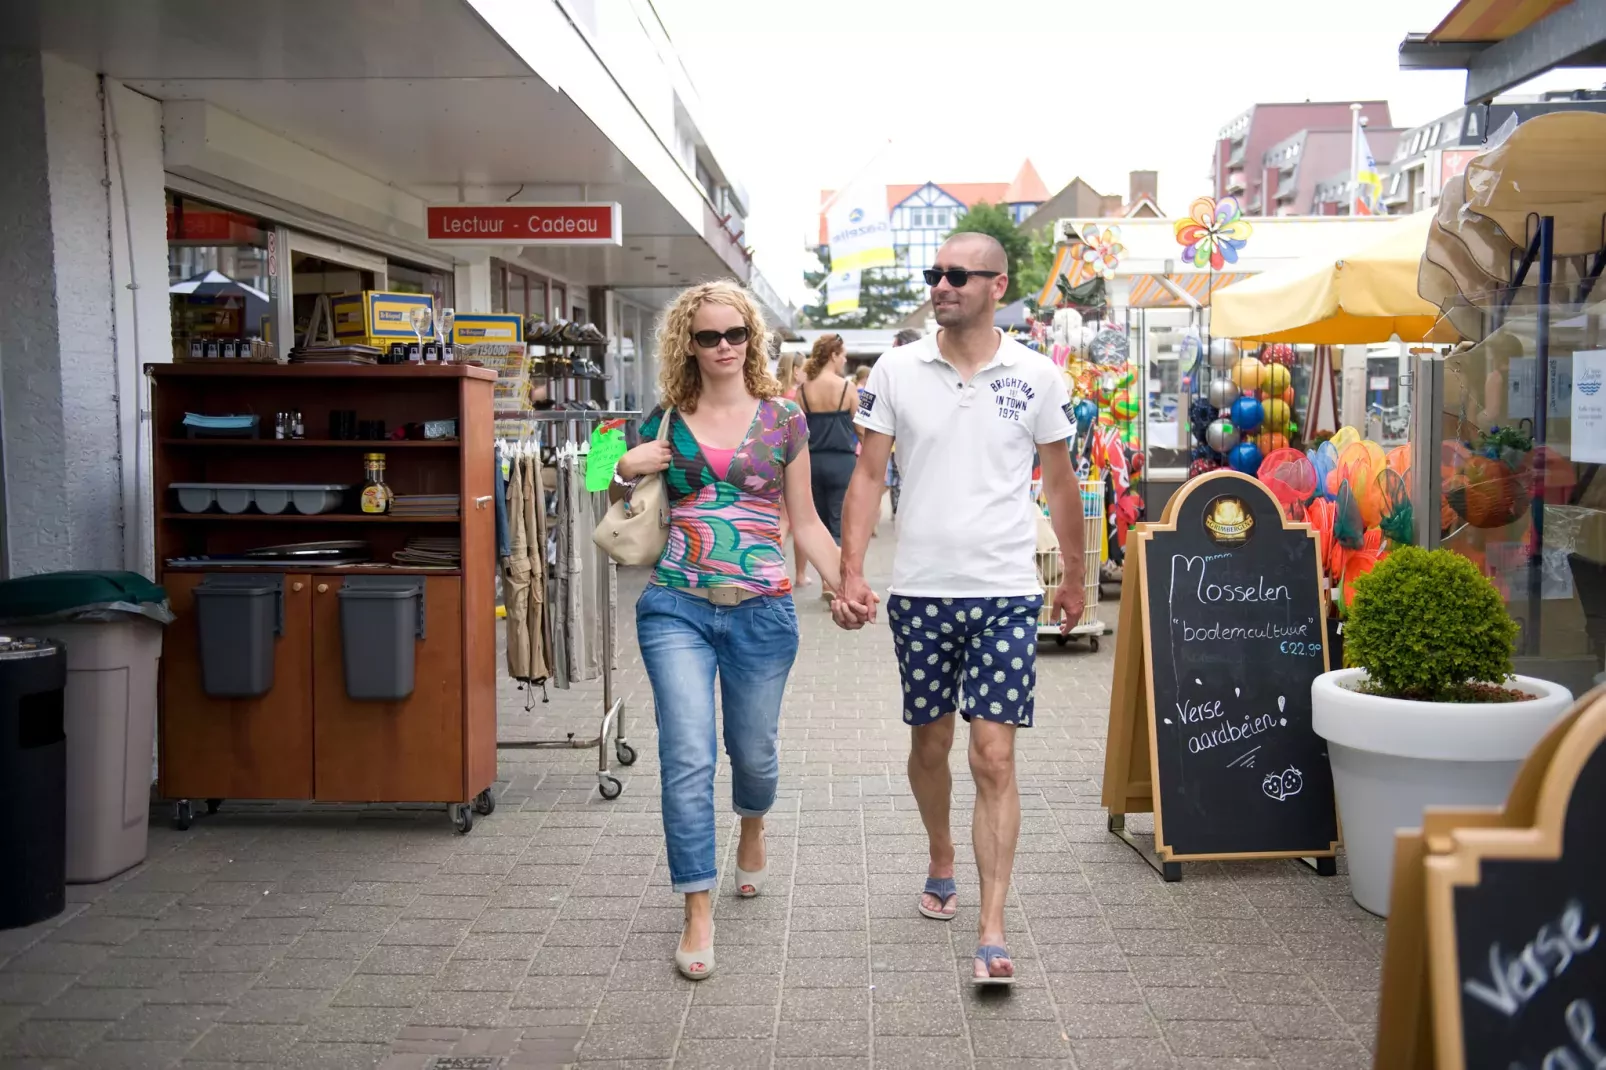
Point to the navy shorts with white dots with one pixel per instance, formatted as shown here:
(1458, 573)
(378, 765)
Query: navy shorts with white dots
(974, 655)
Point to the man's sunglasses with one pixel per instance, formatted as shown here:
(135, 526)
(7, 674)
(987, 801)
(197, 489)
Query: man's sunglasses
(710, 339)
(957, 277)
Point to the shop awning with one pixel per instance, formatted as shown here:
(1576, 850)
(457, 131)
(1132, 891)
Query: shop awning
(1368, 295)
(1149, 291)
(1503, 43)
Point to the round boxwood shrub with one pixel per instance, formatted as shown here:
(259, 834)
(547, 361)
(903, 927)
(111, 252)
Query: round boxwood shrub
(1427, 625)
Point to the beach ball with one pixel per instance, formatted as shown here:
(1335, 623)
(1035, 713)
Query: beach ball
(1276, 379)
(1223, 353)
(1276, 415)
(1247, 415)
(1201, 465)
(1104, 387)
(1223, 392)
(1247, 374)
(1288, 398)
(1122, 407)
(1086, 412)
(1245, 457)
(1271, 441)
(1221, 435)
(1278, 353)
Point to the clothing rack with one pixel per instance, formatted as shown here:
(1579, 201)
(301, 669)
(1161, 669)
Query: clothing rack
(566, 434)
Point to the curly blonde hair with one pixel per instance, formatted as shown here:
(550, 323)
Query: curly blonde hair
(679, 379)
(826, 347)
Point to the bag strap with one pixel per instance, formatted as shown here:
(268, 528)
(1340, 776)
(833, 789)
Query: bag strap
(663, 424)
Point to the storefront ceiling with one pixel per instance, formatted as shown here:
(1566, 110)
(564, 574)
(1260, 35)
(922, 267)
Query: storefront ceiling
(418, 94)
(185, 39)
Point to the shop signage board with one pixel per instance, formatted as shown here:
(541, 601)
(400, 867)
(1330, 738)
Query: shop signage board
(1221, 634)
(525, 223)
(1496, 948)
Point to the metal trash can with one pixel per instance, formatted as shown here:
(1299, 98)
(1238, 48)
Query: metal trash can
(110, 624)
(240, 617)
(33, 781)
(381, 621)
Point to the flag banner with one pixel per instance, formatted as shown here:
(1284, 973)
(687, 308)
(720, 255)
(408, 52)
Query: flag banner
(841, 293)
(858, 228)
(1368, 183)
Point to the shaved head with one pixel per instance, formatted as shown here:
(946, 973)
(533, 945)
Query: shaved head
(981, 251)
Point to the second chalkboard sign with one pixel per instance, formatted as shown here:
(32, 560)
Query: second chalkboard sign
(1232, 634)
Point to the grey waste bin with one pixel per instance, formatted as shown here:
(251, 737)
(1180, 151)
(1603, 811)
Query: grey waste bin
(240, 618)
(111, 625)
(33, 781)
(381, 621)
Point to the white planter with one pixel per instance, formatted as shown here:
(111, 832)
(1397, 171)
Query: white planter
(1392, 758)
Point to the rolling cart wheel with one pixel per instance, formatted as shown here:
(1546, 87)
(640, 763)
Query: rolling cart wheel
(485, 803)
(183, 815)
(212, 806)
(609, 787)
(463, 817)
(1094, 642)
(1061, 640)
(625, 753)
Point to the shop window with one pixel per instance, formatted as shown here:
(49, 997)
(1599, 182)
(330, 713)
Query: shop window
(219, 272)
(409, 279)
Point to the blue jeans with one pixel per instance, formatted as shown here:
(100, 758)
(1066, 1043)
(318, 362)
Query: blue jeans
(685, 641)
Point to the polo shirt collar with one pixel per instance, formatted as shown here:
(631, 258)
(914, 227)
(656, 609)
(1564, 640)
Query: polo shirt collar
(1005, 354)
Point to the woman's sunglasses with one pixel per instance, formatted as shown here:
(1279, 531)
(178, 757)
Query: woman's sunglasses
(957, 277)
(710, 339)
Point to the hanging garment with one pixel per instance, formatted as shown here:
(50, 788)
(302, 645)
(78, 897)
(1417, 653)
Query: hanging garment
(584, 617)
(517, 569)
(552, 559)
(504, 544)
(535, 522)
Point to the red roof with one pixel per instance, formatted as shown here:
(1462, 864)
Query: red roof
(1027, 188)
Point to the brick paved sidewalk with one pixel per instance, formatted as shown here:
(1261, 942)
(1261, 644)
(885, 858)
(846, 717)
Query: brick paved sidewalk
(308, 937)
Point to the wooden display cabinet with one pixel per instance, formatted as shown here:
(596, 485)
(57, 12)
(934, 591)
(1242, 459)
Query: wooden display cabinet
(305, 738)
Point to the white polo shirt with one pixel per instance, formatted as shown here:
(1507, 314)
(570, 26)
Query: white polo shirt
(966, 524)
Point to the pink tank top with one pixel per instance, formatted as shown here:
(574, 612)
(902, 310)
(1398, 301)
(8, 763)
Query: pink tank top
(719, 460)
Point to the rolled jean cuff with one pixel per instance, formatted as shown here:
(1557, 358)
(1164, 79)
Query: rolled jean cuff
(742, 811)
(696, 884)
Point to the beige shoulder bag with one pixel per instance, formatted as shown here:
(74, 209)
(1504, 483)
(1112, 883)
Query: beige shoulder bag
(636, 527)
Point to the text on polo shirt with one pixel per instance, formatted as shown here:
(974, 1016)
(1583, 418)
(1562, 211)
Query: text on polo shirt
(1009, 393)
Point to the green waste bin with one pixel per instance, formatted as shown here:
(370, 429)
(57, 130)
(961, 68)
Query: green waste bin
(111, 626)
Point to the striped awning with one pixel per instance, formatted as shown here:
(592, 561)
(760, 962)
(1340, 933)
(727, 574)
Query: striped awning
(1067, 262)
(1492, 20)
(1149, 292)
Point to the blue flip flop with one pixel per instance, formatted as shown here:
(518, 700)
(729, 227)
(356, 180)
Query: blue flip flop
(987, 953)
(942, 889)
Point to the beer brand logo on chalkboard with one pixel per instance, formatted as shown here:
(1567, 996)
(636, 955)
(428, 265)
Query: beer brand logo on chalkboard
(1228, 521)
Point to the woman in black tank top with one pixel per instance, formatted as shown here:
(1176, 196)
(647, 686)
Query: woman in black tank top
(829, 401)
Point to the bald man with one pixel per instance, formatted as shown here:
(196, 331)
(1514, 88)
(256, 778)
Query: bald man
(969, 409)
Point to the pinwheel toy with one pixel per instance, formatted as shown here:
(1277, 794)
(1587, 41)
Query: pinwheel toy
(1213, 233)
(1101, 249)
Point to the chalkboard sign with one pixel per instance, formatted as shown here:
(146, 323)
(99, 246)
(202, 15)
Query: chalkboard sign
(1517, 924)
(1235, 635)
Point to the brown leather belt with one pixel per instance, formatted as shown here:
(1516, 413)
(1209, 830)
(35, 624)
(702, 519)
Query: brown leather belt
(721, 596)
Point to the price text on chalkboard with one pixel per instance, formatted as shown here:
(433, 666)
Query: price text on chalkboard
(1235, 636)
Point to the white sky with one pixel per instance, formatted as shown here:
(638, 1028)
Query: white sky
(799, 96)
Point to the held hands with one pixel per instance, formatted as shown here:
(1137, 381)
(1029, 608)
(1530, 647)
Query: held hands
(854, 604)
(649, 457)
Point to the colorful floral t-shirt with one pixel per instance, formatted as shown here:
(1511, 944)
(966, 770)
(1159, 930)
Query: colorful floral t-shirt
(727, 532)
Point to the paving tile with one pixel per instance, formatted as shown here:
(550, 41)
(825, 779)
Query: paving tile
(247, 1043)
(296, 936)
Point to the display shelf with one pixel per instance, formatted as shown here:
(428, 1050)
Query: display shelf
(315, 518)
(243, 370)
(303, 567)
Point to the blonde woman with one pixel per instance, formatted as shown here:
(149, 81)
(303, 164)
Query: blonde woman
(719, 604)
(786, 374)
(829, 400)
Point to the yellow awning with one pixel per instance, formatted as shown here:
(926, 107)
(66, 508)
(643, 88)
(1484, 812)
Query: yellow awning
(1149, 292)
(1368, 295)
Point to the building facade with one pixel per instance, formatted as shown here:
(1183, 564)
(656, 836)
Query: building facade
(150, 150)
(1239, 166)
